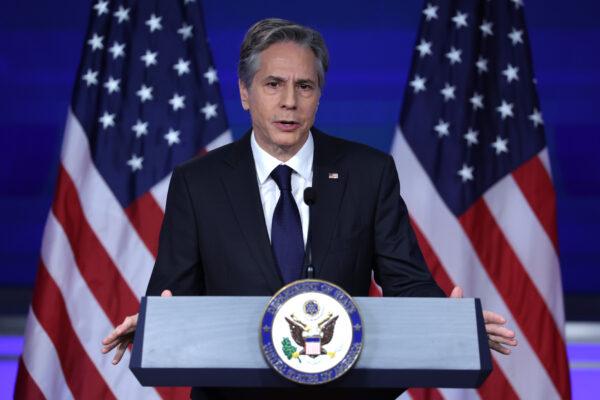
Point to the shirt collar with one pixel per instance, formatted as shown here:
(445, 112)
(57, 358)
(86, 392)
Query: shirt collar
(301, 162)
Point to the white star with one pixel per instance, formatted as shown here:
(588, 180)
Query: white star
(516, 36)
(511, 73)
(145, 93)
(454, 55)
(177, 102)
(536, 118)
(107, 120)
(486, 28)
(101, 7)
(481, 64)
(211, 75)
(122, 14)
(424, 48)
(518, 3)
(430, 12)
(140, 128)
(418, 84)
(185, 31)
(112, 85)
(466, 173)
(448, 92)
(209, 110)
(172, 137)
(90, 77)
(154, 23)
(117, 50)
(501, 145)
(471, 137)
(135, 162)
(460, 19)
(442, 128)
(476, 101)
(182, 67)
(96, 42)
(505, 110)
(149, 58)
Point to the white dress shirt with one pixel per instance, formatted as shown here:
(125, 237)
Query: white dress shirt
(301, 163)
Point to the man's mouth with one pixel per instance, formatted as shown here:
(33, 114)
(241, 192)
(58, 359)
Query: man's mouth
(287, 125)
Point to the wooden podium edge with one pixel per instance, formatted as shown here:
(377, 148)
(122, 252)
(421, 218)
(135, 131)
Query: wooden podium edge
(135, 362)
(485, 356)
(266, 378)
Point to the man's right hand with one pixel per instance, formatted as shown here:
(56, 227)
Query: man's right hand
(122, 335)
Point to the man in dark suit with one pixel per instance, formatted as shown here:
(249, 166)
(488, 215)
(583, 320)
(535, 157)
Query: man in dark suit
(236, 223)
(215, 241)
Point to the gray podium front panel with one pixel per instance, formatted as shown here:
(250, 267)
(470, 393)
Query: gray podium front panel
(214, 342)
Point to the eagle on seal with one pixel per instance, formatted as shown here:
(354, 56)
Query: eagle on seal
(312, 338)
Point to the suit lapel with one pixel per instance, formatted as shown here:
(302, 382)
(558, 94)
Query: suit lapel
(329, 181)
(242, 187)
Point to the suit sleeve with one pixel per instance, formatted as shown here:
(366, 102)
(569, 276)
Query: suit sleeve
(399, 266)
(178, 265)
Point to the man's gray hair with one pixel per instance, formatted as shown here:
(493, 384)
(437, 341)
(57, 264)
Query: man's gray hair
(269, 31)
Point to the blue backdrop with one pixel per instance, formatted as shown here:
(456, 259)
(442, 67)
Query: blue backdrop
(371, 45)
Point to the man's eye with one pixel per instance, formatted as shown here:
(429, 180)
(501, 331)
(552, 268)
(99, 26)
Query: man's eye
(305, 86)
(273, 84)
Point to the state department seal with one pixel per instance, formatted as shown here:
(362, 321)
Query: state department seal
(311, 332)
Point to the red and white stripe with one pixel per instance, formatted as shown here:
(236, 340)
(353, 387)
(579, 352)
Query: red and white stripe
(96, 260)
(502, 250)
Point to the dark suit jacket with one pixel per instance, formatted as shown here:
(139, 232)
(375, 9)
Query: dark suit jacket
(214, 240)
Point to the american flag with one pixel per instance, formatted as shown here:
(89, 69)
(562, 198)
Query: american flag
(146, 98)
(474, 171)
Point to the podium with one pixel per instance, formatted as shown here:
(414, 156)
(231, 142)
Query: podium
(213, 341)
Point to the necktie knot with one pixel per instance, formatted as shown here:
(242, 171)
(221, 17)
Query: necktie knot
(282, 175)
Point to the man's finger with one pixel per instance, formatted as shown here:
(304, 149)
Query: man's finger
(457, 293)
(114, 335)
(499, 348)
(492, 318)
(127, 326)
(498, 330)
(502, 340)
(119, 353)
(109, 346)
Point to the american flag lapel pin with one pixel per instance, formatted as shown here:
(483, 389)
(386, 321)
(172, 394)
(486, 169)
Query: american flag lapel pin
(333, 175)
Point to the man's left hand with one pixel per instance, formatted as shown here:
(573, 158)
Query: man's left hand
(498, 335)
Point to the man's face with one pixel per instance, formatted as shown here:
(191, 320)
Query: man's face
(283, 98)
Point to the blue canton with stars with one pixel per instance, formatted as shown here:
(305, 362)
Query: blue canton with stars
(471, 113)
(147, 92)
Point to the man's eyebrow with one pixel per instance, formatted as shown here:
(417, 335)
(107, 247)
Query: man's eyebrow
(280, 79)
(274, 78)
(305, 82)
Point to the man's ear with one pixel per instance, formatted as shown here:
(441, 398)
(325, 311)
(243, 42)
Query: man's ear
(244, 95)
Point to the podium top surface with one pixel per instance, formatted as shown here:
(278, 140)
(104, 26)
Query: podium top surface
(223, 332)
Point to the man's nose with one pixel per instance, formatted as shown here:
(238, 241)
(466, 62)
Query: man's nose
(288, 97)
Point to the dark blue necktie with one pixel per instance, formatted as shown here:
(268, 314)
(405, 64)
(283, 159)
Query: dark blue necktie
(286, 229)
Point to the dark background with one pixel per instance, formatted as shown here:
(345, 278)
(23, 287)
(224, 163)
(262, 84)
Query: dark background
(371, 45)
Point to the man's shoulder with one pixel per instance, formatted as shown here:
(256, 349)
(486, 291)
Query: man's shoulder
(350, 150)
(208, 162)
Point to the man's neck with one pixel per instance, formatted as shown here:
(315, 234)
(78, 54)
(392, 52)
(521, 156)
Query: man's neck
(301, 162)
